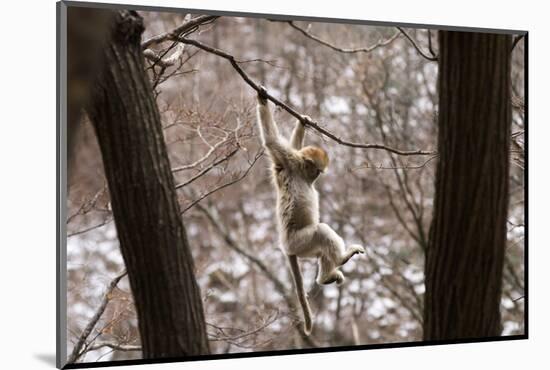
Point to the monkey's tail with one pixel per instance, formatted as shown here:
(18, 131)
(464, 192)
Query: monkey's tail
(300, 291)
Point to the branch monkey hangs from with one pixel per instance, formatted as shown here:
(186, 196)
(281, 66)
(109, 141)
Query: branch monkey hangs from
(295, 169)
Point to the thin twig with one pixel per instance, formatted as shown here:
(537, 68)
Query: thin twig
(87, 206)
(114, 346)
(518, 103)
(426, 56)
(203, 158)
(269, 321)
(260, 60)
(211, 337)
(207, 169)
(224, 185)
(344, 50)
(407, 167)
(77, 349)
(83, 231)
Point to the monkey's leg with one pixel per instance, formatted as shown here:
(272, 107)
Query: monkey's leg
(328, 273)
(332, 251)
(350, 252)
(315, 240)
(323, 242)
(304, 242)
(333, 254)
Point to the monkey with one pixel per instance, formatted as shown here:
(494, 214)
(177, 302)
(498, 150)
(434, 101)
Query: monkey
(294, 170)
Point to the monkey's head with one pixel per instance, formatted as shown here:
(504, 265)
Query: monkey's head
(315, 161)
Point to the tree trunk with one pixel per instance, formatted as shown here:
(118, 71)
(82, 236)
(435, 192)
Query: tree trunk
(144, 202)
(465, 254)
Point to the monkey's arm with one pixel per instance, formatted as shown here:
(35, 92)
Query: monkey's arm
(297, 138)
(274, 143)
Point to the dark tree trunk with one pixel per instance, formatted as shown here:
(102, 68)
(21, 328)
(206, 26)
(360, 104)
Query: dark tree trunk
(144, 202)
(465, 254)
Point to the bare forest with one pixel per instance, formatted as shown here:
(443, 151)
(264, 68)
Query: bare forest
(374, 97)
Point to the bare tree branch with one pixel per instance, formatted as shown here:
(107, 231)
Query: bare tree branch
(83, 231)
(88, 205)
(343, 50)
(77, 349)
(426, 56)
(398, 214)
(304, 119)
(164, 62)
(413, 311)
(233, 339)
(186, 27)
(213, 338)
(227, 137)
(232, 243)
(518, 103)
(207, 169)
(258, 155)
(367, 165)
(114, 346)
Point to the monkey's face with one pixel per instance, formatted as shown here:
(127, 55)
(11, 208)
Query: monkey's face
(315, 162)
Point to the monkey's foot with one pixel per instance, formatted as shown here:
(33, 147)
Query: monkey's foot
(341, 278)
(335, 277)
(352, 251)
